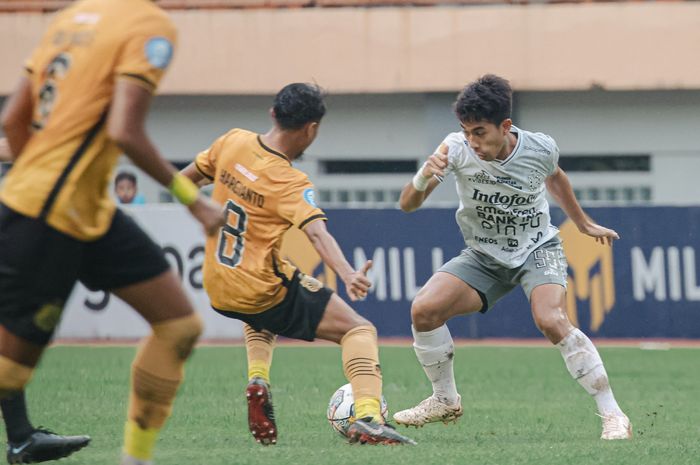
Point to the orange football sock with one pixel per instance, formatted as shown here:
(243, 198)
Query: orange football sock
(361, 367)
(259, 347)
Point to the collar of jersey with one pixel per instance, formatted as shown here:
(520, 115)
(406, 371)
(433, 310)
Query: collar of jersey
(517, 131)
(274, 152)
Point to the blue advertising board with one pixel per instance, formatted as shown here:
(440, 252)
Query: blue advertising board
(644, 286)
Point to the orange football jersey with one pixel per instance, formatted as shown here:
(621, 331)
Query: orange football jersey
(264, 196)
(64, 172)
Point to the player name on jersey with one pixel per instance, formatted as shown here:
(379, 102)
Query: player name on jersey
(244, 192)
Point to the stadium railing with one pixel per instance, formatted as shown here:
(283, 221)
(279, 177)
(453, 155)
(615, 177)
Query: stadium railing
(52, 5)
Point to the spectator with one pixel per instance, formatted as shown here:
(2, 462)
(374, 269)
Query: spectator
(5, 153)
(126, 189)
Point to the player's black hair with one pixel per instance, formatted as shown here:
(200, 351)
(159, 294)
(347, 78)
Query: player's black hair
(125, 175)
(489, 98)
(297, 104)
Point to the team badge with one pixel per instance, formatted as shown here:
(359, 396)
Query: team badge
(159, 51)
(310, 197)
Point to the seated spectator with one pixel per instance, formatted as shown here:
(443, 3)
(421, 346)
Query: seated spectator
(126, 189)
(5, 152)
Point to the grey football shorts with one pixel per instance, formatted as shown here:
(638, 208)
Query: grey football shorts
(545, 265)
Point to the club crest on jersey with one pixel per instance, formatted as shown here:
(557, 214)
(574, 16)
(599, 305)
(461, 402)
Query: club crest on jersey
(159, 51)
(310, 197)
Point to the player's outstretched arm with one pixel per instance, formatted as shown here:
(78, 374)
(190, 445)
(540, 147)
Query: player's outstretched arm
(126, 127)
(356, 282)
(17, 119)
(559, 187)
(426, 179)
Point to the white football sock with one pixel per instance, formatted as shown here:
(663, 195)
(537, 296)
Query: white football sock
(435, 352)
(586, 367)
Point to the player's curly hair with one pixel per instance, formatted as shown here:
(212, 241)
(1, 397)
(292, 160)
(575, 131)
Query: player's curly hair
(297, 104)
(489, 98)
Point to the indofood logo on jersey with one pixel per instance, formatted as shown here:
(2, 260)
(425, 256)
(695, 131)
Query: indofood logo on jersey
(504, 200)
(591, 277)
(297, 248)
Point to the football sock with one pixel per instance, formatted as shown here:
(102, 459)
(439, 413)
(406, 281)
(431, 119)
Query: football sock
(157, 371)
(14, 413)
(259, 347)
(138, 442)
(361, 367)
(435, 352)
(586, 367)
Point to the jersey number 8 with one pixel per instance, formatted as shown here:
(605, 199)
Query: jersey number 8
(231, 241)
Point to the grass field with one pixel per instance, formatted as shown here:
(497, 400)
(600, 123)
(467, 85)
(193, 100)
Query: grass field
(521, 407)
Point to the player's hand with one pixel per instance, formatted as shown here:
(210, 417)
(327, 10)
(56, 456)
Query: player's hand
(437, 163)
(357, 284)
(209, 213)
(600, 233)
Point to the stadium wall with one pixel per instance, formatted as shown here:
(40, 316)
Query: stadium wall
(627, 45)
(646, 286)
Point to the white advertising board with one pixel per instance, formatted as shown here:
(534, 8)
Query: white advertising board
(99, 315)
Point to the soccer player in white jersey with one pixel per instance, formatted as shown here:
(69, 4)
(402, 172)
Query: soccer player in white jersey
(501, 173)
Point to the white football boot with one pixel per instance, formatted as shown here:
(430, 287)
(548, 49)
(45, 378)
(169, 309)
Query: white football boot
(616, 426)
(430, 410)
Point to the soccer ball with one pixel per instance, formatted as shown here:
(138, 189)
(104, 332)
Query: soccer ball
(341, 409)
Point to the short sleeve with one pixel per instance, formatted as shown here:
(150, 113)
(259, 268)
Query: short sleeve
(298, 205)
(551, 145)
(145, 56)
(555, 156)
(205, 162)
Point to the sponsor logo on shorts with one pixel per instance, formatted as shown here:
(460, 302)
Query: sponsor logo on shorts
(310, 284)
(48, 316)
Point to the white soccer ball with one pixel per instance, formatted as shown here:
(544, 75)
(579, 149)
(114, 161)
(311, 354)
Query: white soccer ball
(341, 409)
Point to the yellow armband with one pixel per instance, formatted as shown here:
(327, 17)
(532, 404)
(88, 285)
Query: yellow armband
(183, 189)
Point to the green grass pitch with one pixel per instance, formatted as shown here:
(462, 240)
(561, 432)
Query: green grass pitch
(521, 407)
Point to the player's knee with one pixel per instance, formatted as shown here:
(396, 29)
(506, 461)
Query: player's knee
(13, 376)
(180, 333)
(552, 323)
(424, 315)
(362, 328)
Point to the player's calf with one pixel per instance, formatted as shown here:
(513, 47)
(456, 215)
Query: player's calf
(13, 376)
(157, 372)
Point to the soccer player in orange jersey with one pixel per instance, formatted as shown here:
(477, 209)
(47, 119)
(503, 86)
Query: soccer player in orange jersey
(81, 103)
(247, 279)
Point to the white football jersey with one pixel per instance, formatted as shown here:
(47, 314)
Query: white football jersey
(503, 211)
